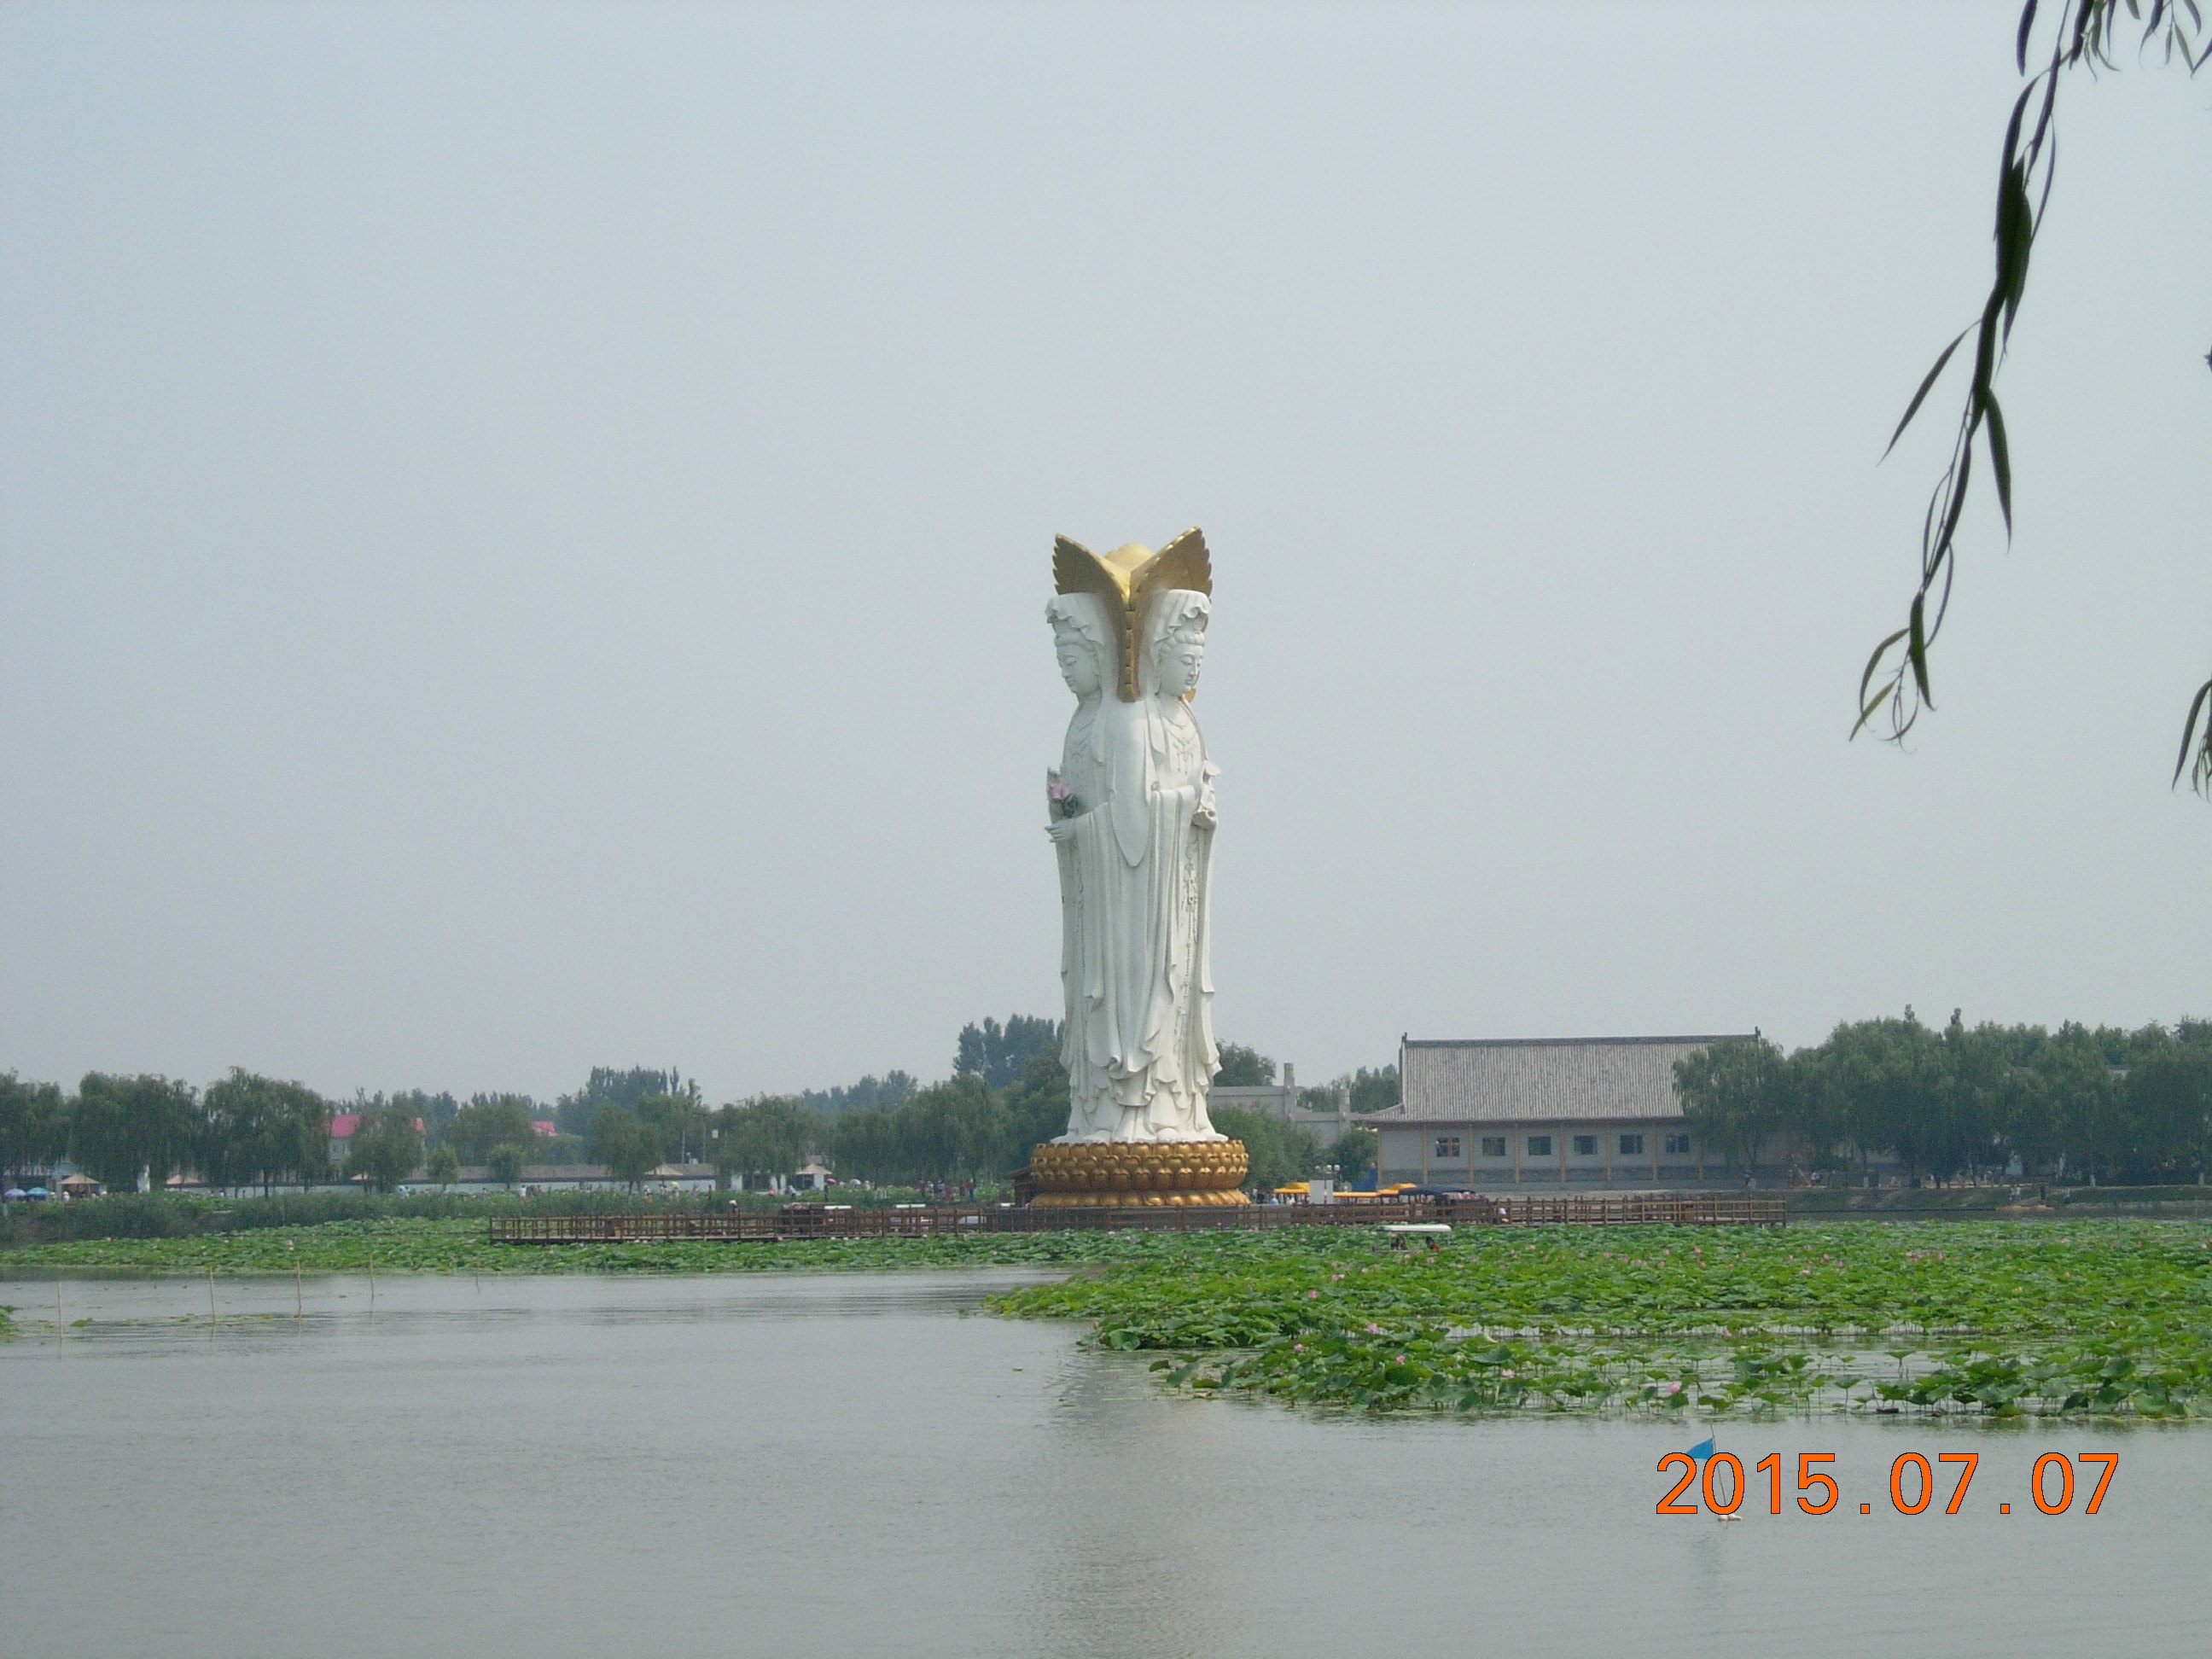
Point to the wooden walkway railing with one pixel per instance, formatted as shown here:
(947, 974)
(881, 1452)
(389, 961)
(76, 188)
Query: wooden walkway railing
(801, 1221)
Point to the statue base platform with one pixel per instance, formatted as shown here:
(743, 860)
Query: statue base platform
(1113, 1174)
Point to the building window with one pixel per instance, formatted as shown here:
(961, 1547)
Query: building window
(1540, 1145)
(1493, 1146)
(1447, 1146)
(1678, 1144)
(1585, 1145)
(1632, 1145)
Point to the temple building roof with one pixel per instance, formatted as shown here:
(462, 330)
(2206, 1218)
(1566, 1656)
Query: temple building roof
(1537, 1079)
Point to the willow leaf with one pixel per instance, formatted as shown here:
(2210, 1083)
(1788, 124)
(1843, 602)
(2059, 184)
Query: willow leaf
(1926, 386)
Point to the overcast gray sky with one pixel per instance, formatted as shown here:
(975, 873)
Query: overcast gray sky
(524, 530)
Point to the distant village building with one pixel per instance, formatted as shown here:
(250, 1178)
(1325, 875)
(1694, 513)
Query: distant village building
(1554, 1112)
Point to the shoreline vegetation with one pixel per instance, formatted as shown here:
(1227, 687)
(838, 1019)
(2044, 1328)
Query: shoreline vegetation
(171, 1215)
(2077, 1316)
(415, 1244)
(2097, 1318)
(145, 1217)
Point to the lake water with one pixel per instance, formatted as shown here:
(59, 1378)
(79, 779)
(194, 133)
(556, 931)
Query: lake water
(845, 1464)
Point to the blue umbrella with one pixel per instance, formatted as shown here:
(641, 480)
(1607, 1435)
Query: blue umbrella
(1703, 1447)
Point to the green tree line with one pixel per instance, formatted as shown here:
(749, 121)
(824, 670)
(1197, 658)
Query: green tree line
(2091, 1104)
(246, 1130)
(1007, 1093)
(965, 1128)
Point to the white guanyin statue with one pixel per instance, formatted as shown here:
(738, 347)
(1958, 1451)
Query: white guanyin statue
(1131, 824)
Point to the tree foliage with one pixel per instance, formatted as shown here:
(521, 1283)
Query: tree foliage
(1244, 1068)
(1371, 1091)
(884, 1092)
(490, 1121)
(386, 1147)
(1354, 1152)
(955, 1130)
(34, 1123)
(119, 1127)
(2084, 35)
(769, 1135)
(999, 1055)
(2100, 1103)
(606, 1087)
(560, 1150)
(256, 1129)
(680, 1121)
(1280, 1152)
(626, 1144)
(1036, 1105)
(439, 1109)
(1364, 1091)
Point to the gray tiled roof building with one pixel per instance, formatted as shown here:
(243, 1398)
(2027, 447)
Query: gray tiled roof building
(1554, 1111)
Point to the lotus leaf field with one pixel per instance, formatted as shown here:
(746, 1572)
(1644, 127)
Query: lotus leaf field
(415, 1245)
(2106, 1318)
(2002, 1319)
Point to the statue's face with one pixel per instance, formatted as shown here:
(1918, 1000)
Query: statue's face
(1079, 663)
(1181, 657)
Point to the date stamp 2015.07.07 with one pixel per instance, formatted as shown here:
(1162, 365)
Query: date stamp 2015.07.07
(1720, 1486)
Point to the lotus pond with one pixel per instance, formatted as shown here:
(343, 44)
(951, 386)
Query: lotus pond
(2109, 1318)
(419, 1245)
(2101, 1318)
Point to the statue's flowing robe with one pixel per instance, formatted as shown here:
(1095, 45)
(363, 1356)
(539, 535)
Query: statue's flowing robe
(1134, 877)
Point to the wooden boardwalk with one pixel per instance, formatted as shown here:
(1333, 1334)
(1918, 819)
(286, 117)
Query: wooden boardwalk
(802, 1221)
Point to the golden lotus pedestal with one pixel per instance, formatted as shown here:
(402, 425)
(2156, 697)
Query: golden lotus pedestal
(1115, 1175)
